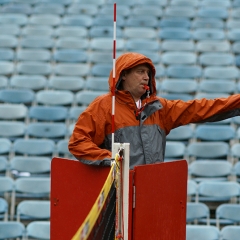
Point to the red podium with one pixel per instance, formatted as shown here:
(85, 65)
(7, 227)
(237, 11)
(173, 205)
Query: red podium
(157, 198)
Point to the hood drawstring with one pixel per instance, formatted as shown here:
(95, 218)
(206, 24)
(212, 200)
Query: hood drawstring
(138, 112)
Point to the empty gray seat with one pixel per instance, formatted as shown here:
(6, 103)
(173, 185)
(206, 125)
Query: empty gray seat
(34, 68)
(72, 42)
(213, 46)
(180, 11)
(6, 67)
(178, 45)
(10, 29)
(70, 55)
(7, 54)
(13, 18)
(71, 31)
(178, 58)
(34, 82)
(77, 20)
(13, 111)
(72, 69)
(105, 44)
(33, 55)
(83, 8)
(97, 84)
(25, 96)
(38, 30)
(218, 59)
(12, 129)
(37, 42)
(45, 19)
(8, 41)
(143, 32)
(86, 97)
(49, 8)
(221, 72)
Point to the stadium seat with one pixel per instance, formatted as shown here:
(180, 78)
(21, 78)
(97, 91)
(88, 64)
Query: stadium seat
(63, 2)
(31, 147)
(215, 23)
(236, 171)
(216, 85)
(77, 20)
(6, 68)
(4, 210)
(136, 32)
(33, 210)
(54, 131)
(72, 69)
(72, 42)
(153, 55)
(142, 43)
(217, 59)
(208, 150)
(199, 232)
(32, 82)
(49, 8)
(8, 41)
(101, 69)
(74, 112)
(13, 111)
(178, 45)
(17, 7)
(192, 3)
(105, 44)
(228, 72)
(10, 29)
(235, 13)
(184, 71)
(12, 129)
(86, 97)
(25, 96)
(179, 86)
(45, 19)
(232, 23)
(123, 7)
(30, 166)
(149, 9)
(209, 170)
(95, 57)
(36, 42)
(4, 168)
(7, 54)
(33, 55)
(230, 232)
(162, 3)
(183, 58)
(104, 32)
(180, 11)
(97, 84)
(3, 82)
(224, 4)
(34, 68)
(198, 213)
(62, 149)
(236, 47)
(54, 97)
(5, 146)
(6, 186)
(208, 34)
(37, 30)
(218, 191)
(227, 214)
(66, 83)
(107, 20)
(176, 96)
(192, 190)
(174, 33)
(213, 12)
(14, 18)
(174, 150)
(12, 229)
(215, 132)
(70, 56)
(38, 230)
(182, 133)
(236, 3)
(175, 22)
(82, 8)
(71, 31)
(213, 46)
(142, 21)
(48, 113)
(160, 71)
(234, 34)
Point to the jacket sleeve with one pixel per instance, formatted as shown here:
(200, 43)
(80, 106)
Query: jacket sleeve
(88, 135)
(177, 112)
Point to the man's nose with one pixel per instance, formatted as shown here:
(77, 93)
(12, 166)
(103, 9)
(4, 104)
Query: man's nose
(146, 76)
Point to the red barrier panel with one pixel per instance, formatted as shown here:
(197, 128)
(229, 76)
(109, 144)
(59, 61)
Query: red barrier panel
(160, 198)
(74, 189)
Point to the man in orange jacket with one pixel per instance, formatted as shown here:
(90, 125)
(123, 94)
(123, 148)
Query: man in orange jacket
(142, 119)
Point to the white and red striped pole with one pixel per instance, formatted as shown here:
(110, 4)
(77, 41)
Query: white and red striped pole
(114, 73)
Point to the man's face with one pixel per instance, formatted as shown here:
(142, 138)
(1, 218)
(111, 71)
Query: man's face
(135, 80)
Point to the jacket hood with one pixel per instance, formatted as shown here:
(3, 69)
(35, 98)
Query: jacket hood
(130, 60)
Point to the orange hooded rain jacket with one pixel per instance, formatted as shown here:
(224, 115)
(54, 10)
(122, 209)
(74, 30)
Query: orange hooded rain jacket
(91, 139)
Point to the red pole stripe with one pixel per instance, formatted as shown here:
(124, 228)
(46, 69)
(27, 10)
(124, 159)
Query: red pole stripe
(115, 13)
(114, 49)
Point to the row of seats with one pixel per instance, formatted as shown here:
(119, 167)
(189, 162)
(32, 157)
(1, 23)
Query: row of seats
(82, 56)
(103, 69)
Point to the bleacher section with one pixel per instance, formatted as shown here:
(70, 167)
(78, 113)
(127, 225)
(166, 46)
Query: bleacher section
(55, 58)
